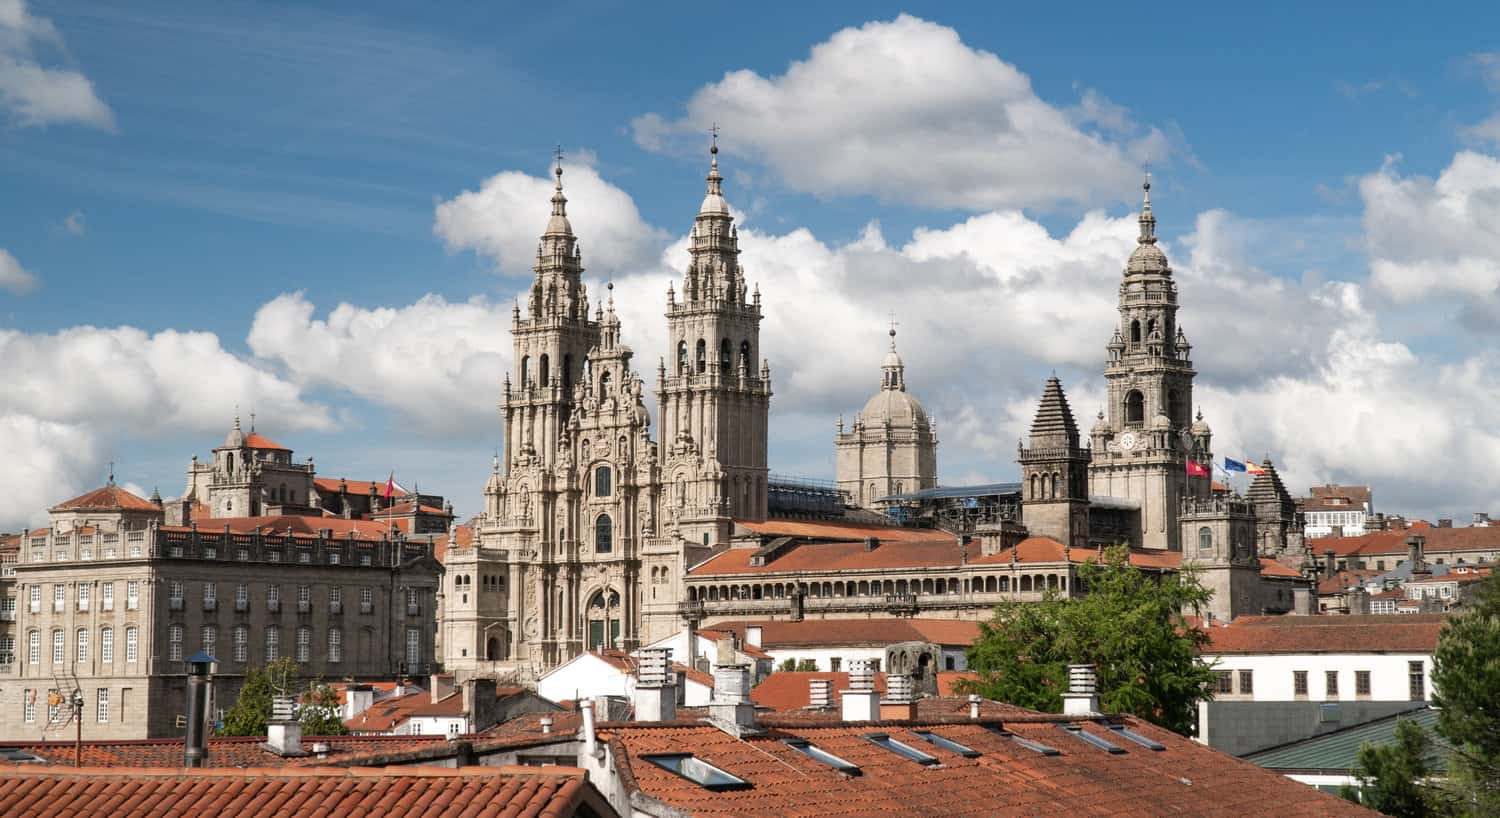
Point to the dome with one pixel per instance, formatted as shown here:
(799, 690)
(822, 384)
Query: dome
(892, 359)
(1147, 258)
(895, 406)
(1161, 422)
(1200, 426)
(236, 438)
(1101, 426)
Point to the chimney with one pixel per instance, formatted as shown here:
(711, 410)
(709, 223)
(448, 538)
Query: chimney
(590, 741)
(730, 709)
(859, 701)
(358, 699)
(819, 694)
(1414, 557)
(1329, 564)
(546, 723)
(1082, 698)
(872, 543)
(753, 635)
(480, 704)
(900, 703)
(1445, 522)
(655, 693)
(442, 687)
(284, 732)
(974, 700)
(1481, 518)
(195, 748)
(725, 652)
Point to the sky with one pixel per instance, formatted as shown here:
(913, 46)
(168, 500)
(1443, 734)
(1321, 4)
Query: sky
(321, 213)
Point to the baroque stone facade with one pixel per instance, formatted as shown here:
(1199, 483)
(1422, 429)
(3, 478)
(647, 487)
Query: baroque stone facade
(891, 447)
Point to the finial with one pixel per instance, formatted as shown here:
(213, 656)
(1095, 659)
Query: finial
(1147, 218)
(111, 472)
(894, 324)
(252, 420)
(713, 147)
(558, 169)
(236, 416)
(1146, 186)
(1200, 413)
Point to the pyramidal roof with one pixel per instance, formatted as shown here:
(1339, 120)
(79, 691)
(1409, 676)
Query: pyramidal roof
(1268, 489)
(1053, 417)
(109, 497)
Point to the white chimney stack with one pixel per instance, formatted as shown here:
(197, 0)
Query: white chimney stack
(284, 731)
(1082, 698)
(860, 702)
(753, 635)
(820, 694)
(590, 741)
(731, 709)
(899, 703)
(655, 693)
(974, 700)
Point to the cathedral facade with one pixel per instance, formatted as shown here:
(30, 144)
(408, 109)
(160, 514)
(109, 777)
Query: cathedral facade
(590, 525)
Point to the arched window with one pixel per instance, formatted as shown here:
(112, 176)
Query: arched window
(603, 615)
(106, 644)
(1135, 407)
(229, 461)
(545, 371)
(745, 355)
(567, 370)
(1151, 329)
(898, 487)
(702, 356)
(1135, 332)
(726, 349)
(1205, 539)
(525, 369)
(601, 482)
(1054, 486)
(603, 385)
(682, 359)
(81, 639)
(604, 532)
(1175, 408)
(1033, 487)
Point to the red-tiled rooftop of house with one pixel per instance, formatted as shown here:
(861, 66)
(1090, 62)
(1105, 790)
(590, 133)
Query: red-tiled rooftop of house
(330, 485)
(786, 691)
(845, 531)
(1393, 543)
(293, 524)
(1394, 633)
(1345, 579)
(1477, 575)
(1272, 568)
(1005, 779)
(222, 752)
(841, 632)
(499, 792)
(255, 441)
(109, 497)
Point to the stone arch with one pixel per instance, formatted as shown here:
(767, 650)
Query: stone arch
(682, 358)
(1135, 332)
(702, 359)
(1135, 407)
(726, 353)
(544, 371)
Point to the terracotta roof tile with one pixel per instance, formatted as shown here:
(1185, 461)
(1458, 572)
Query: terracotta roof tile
(255, 441)
(222, 752)
(1404, 633)
(109, 497)
(839, 632)
(296, 524)
(428, 791)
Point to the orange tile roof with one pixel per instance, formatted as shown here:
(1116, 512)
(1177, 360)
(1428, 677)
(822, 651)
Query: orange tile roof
(1344, 580)
(294, 524)
(222, 752)
(839, 632)
(386, 714)
(498, 792)
(844, 556)
(110, 497)
(1388, 543)
(255, 441)
(1391, 633)
(1272, 568)
(844, 531)
(1006, 779)
(330, 485)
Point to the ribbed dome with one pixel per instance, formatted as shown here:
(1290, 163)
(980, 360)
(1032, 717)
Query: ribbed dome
(896, 406)
(1147, 258)
(1200, 426)
(236, 438)
(1161, 422)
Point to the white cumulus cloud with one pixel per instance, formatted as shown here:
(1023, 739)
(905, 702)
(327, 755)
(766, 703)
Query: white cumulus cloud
(13, 276)
(906, 111)
(38, 94)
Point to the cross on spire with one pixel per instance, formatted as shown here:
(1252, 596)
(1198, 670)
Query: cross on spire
(559, 154)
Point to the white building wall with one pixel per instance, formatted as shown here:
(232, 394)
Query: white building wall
(1274, 680)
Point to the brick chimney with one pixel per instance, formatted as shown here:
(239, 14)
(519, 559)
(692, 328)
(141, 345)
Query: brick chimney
(900, 702)
(655, 690)
(860, 702)
(1082, 698)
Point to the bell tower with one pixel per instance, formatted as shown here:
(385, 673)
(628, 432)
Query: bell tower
(1054, 473)
(1142, 448)
(713, 387)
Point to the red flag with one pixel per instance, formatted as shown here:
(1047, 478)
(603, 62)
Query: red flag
(1196, 469)
(390, 485)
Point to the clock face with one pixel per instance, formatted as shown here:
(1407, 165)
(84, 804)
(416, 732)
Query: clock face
(1127, 441)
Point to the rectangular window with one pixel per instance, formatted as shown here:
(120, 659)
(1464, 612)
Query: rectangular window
(58, 651)
(1416, 681)
(102, 705)
(241, 643)
(83, 597)
(273, 644)
(335, 645)
(304, 644)
(131, 643)
(59, 598)
(366, 600)
(1332, 689)
(54, 702)
(106, 644)
(1223, 682)
(107, 596)
(28, 706)
(273, 597)
(210, 592)
(36, 599)
(304, 593)
(835, 663)
(132, 595)
(208, 638)
(242, 597)
(174, 643)
(82, 638)
(174, 594)
(7, 649)
(1299, 683)
(1247, 682)
(1361, 682)
(34, 647)
(413, 647)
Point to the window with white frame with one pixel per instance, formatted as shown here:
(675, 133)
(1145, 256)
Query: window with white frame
(81, 637)
(210, 594)
(132, 595)
(58, 648)
(34, 647)
(36, 599)
(413, 646)
(132, 640)
(174, 643)
(273, 596)
(335, 645)
(28, 706)
(102, 705)
(304, 594)
(106, 644)
(273, 644)
(208, 639)
(7, 649)
(241, 596)
(107, 596)
(241, 643)
(174, 592)
(59, 598)
(366, 600)
(83, 596)
(304, 644)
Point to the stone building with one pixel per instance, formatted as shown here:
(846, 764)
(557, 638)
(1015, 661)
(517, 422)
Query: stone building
(1054, 473)
(109, 599)
(891, 447)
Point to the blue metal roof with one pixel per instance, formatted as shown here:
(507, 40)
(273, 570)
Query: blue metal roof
(951, 492)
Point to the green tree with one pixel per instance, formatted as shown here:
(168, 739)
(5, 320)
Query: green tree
(1392, 776)
(798, 665)
(1130, 625)
(1466, 691)
(252, 710)
(320, 711)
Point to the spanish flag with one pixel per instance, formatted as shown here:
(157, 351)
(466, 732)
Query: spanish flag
(1253, 467)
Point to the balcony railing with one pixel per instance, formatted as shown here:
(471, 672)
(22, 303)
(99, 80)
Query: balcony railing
(273, 605)
(335, 607)
(241, 605)
(7, 616)
(174, 604)
(304, 606)
(210, 604)
(367, 607)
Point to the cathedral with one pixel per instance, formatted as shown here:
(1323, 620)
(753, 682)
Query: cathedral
(595, 535)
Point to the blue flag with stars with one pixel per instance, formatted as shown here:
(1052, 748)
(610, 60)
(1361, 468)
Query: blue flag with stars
(1231, 464)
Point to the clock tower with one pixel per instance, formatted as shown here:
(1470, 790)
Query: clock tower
(1142, 443)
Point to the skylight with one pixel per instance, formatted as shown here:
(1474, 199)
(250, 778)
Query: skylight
(698, 771)
(817, 753)
(901, 749)
(1084, 735)
(946, 743)
(1034, 746)
(1137, 737)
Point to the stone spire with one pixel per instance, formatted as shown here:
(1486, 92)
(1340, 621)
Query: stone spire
(1147, 218)
(894, 371)
(1147, 257)
(1054, 425)
(714, 274)
(558, 224)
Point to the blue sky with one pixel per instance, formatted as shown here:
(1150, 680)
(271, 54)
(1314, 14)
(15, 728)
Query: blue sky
(228, 166)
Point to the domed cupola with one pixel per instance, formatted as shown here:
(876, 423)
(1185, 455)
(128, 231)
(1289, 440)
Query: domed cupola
(893, 405)
(236, 438)
(1147, 257)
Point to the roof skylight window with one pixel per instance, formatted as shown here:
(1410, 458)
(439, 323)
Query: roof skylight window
(1034, 746)
(1137, 737)
(901, 749)
(817, 753)
(698, 771)
(1084, 735)
(946, 743)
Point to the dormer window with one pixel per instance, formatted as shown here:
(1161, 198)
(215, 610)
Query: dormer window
(698, 771)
